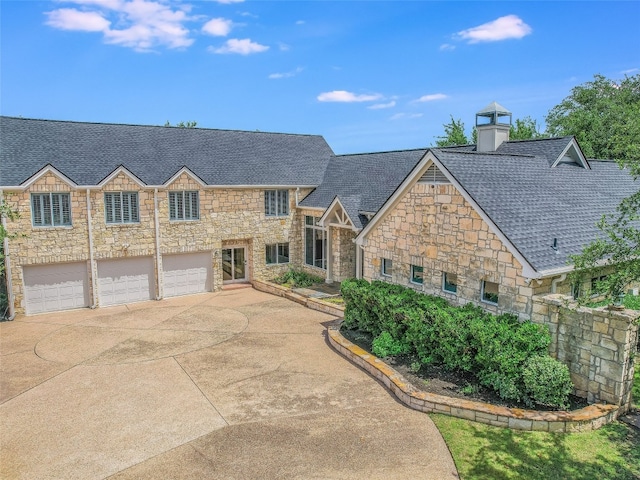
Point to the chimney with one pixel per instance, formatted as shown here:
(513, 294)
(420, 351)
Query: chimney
(493, 123)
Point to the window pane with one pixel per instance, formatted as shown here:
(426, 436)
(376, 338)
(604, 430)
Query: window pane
(450, 282)
(308, 246)
(283, 253)
(387, 266)
(195, 208)
(270, 253)
(133, 197)
(490, 292)
(56, 208)
(416, 274)
(66, 208)
(308, 220)
(36, 202)
(283, 202)
(172, 205)
(319, 249)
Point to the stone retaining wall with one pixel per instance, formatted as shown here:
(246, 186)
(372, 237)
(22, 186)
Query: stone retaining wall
(597, 344)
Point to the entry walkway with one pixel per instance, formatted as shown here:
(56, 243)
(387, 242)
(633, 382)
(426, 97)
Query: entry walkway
(235, 385)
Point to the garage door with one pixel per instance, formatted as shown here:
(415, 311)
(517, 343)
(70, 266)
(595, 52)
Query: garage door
(186, 273)
(126, 280)
(61, 286)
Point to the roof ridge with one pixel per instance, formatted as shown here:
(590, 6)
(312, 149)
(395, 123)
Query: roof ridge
(539, 139)
(496, 154)
(379, 153)
(79, 122)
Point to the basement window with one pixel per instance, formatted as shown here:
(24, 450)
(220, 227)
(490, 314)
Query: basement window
(417, 274)
(387, 267)
(449, 282)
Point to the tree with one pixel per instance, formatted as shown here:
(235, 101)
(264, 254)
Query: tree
(187, 124)
(604, 115)
(525, 129)
(6, 212)
(453, 134)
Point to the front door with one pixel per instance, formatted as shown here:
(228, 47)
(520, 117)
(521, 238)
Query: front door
(234, 265)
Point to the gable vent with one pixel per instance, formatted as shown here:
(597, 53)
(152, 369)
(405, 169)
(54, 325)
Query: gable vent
(433, 175)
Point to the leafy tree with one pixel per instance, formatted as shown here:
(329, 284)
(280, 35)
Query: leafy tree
(453, 134)
(525, 129)
(187, 124)
(604, 115)
(6, 212)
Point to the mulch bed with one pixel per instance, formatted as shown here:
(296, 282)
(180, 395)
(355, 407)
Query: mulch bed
(436, 379)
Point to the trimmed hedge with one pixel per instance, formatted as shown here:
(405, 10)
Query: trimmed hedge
(503, 353)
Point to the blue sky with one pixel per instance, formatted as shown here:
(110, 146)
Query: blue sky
(367, 75)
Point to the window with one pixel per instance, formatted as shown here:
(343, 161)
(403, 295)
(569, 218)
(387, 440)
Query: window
(449, 282)
(387, 267)
(416, 274)
(277, 253)
(315, 243)
(596, 285)
(184, 205)
(489, 292)
(51, 209)
(276, 203)
(121, 207)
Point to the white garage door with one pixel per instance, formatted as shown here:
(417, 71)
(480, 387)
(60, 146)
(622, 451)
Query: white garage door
(186, 273)
(48, 288)
(126, 280)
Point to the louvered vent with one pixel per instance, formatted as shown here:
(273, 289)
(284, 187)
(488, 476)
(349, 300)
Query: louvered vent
(433, 175)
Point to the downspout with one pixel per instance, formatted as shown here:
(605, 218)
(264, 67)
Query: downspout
(92, 263)
(555, 281)
(297, 192)
(7, 266)
(158, 261)
(358, 261)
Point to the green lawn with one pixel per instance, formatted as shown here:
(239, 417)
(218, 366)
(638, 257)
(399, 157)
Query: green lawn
(492, 453)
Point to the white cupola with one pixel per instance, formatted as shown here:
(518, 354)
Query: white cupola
(493, 123)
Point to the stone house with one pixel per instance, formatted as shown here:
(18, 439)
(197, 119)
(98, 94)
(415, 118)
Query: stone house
(120, 213)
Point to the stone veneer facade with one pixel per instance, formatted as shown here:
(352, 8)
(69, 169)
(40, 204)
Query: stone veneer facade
(434, 227)
(228, 217)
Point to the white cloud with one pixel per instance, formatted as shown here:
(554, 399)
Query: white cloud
(229, 2)
(293, 73)
(284, 47)
(432, 97)
(241, 47)
(300, 22)
(503, 28)
(218, 27)
(72, 19)
(380, 106)
(347, 97)
(447, 47)
(630, 71)
(139, 24)
(407, 116)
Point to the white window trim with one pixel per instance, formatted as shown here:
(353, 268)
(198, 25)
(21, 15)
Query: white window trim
(278, 204)
(315, 227)
(52, 225)
(482, 299)
(412, 275)
(122, 222)
(444, 275)
(383, 267)
(277, 245)
(183, 193)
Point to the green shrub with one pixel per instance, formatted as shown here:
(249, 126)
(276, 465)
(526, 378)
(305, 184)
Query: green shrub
(495, 349)
(298, 278)
(547, 382)
(384, 345)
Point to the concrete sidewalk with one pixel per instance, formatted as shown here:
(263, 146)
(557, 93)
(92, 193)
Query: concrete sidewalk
(235, 385)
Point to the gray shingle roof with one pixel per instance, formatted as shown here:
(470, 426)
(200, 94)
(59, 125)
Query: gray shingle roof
(367, 178)
(88, 152)
(532, 203)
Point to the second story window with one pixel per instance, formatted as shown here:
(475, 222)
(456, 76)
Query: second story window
(184, 205)
(121, 207)
(276, 203)
(51, 209)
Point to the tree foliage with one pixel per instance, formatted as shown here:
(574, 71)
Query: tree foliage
(187, 124)
(525, 129)
(604, 115)
(453, 134)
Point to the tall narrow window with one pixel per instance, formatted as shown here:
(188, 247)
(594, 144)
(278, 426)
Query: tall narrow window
(184, 205)
(387, 267)
(315, 243)
(449, 282)
(51, 209)
(121, 207)
(276, 203)
(490, 292)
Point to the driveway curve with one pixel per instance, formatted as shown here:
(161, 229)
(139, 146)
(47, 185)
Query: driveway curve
(237, 384)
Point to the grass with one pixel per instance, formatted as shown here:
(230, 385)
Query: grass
(492, 453)
(485, 452)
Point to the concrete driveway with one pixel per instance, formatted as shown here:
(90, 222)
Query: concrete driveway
(231, 385)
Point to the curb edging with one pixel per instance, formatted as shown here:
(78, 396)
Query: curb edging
(588, 418)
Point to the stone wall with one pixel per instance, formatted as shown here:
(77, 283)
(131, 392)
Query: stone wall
(433, 226)
(227, 216)
(343, 253)
(598, 345)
